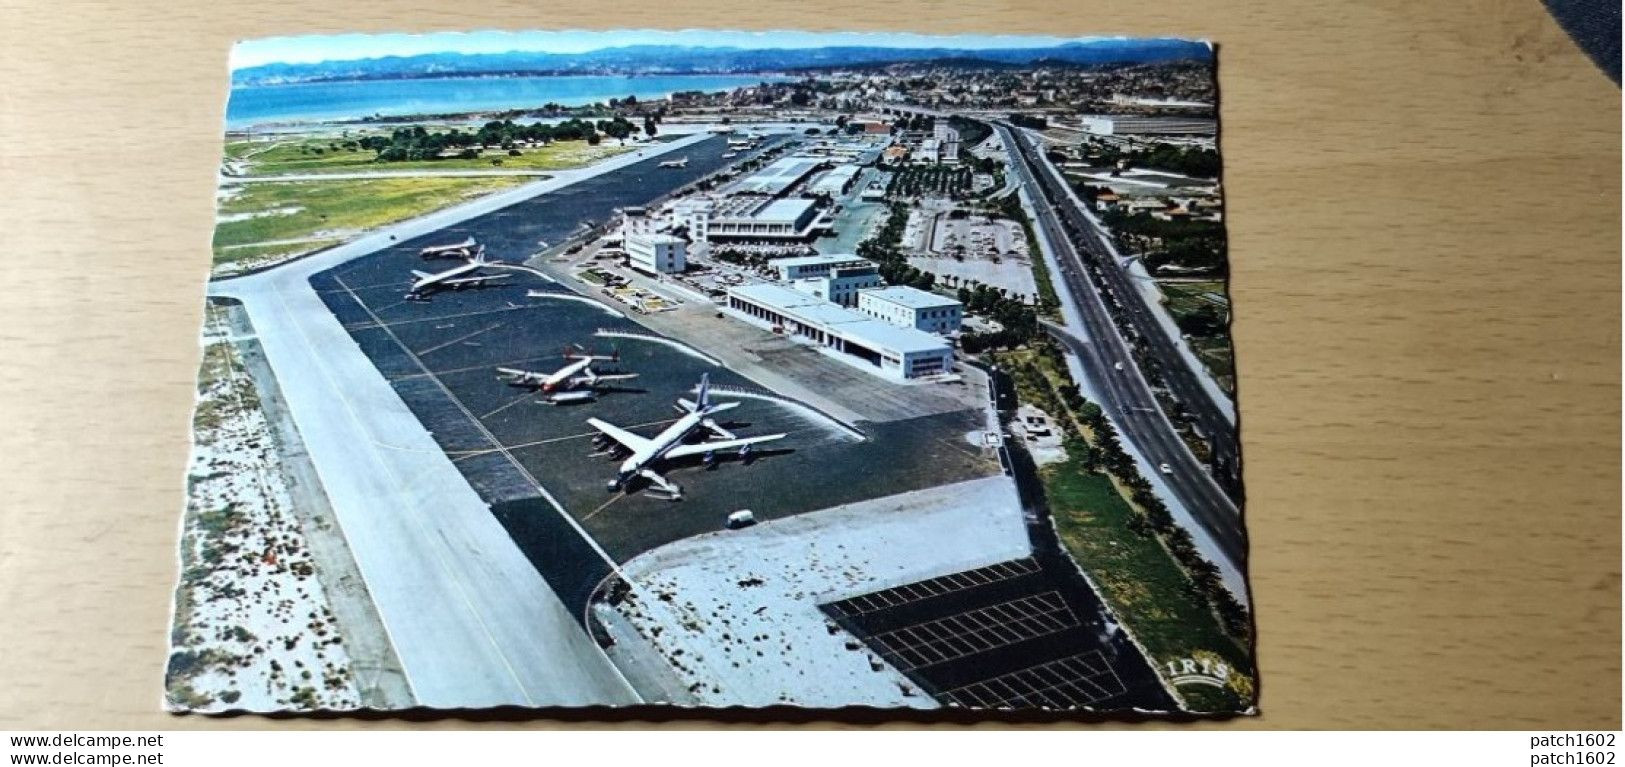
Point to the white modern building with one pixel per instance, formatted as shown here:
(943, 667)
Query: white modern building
(694, 215)
(913, 308)
(836, 182)
(929, 152)
(778, 177)
(1117, 125)
(885, 350)
(947, 142)
(656, 253)
(835, 278)
(637, 221)
(802, 267)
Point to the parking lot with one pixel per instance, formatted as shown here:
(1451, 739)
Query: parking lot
(1008, 635)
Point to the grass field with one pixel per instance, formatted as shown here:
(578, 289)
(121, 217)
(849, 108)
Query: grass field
(1141, 581)
(1186, 298)
(1143, 584)
(268, 220)
(283, 156)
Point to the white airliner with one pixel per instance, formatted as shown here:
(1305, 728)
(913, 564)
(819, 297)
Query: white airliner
(573, 383)
(669, 444)
(455, 278)
(681, 162)
(464, 249)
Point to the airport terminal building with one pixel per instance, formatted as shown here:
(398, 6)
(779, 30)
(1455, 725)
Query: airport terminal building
(833, 278)
(886, 350)
(778, 177)
(656, 253)
(913, 308)
(753, 220)
(835, 182)
(1117, 125)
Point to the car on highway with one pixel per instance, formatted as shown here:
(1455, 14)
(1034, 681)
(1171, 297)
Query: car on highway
(1165, 468)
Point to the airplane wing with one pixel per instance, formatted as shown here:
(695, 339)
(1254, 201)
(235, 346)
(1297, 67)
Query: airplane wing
(471, 280)
(421, 274)
(716, 428)
(690, 406)
(590, 380)
(700, 448)
(630, 440)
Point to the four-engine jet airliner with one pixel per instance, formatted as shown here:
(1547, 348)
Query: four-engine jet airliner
(573, 383)
(455, 278)
(465, 249)
(647, 452)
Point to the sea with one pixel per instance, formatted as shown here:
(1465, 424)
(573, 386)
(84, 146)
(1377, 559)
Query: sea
(328, 101)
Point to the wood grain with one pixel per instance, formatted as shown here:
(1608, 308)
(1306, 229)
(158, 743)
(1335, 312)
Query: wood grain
(1424, 201)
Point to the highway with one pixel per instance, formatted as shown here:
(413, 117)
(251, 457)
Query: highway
(1084, 238)
(1116, 380)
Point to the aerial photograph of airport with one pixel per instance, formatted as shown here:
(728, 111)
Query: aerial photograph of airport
(714, 369)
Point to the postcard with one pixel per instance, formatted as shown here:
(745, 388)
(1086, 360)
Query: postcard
(716, 369)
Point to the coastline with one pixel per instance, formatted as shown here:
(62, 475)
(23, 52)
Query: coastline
(390, 100)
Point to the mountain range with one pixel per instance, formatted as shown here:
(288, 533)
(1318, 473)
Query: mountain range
(672, 59)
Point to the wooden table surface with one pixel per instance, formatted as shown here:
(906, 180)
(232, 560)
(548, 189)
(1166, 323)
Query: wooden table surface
(1424, 209)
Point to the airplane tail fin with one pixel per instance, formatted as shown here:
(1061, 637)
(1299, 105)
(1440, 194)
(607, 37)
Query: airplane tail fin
(576, 351)
(702, 397)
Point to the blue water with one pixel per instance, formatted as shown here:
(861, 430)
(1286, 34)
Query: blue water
(306, 102)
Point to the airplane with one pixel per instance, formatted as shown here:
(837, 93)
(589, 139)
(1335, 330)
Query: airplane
(729, 155)
(681, 162)
(455, 278)
(573, 383)
(462, 249)
(669, 444)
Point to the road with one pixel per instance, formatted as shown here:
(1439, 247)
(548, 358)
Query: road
(1185, 385)
(1125, 395)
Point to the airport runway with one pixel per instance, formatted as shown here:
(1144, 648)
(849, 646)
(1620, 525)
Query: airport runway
(472, 621)
(481, 561)
(1125, 396)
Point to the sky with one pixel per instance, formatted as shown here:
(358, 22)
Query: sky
(300, 50)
